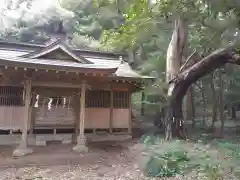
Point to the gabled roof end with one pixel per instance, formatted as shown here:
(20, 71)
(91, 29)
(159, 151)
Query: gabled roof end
(57, 44)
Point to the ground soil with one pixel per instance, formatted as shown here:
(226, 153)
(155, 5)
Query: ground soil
(108, 160)
(104, 161)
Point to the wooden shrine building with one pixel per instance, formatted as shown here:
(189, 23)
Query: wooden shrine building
(53, 92)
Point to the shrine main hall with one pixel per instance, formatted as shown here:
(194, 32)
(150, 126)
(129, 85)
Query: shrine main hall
(54, 92)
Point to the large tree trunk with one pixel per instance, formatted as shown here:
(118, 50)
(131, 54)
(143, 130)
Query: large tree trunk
(176, 49)
(173, 63)
(214, 105)
(179, 85)
(202, 101)
(233, 113)
(192, 109)
(220, 102)
(188, 106)
(174, 121)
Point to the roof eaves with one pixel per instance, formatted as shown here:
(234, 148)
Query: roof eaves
(53, 46)
(21, 43)
(100, 52)
(125, 71)
(18, 50)
(33, 47)
(35, 64)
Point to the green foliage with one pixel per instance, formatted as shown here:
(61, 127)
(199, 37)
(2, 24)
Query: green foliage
(213, 172)
(147, 28)
(232, 91)
(165, 165)
(138, 26)
(143, 29)
(164, 158)
(231, 150)
(147, 139)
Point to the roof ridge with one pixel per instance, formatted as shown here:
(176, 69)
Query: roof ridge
(39, 51)
(74, 48)
(58, 43)
(22, 43)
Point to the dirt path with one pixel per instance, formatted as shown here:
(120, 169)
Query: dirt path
(58, 162)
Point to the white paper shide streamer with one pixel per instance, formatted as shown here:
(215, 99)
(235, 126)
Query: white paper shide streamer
(50, 103)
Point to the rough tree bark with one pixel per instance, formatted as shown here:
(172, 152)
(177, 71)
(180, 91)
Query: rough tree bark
(214, 105)
(189, 104)
(176, 48)
(179, 84)
(221, 103)
(200, 86)
(204, 103)
(175, 54)
(192, 109)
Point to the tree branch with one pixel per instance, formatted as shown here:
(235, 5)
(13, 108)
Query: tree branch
(186, 63)
(205, 66)
(181, 82)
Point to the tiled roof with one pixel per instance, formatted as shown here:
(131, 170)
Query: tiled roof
(58, 44)
(19, 46)
(30, 59)
(124, 70)
(105, 62)
(11, 53)
(53, 64)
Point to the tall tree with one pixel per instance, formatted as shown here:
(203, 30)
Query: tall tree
(206, 23)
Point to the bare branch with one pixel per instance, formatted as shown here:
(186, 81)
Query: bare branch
(186, 63)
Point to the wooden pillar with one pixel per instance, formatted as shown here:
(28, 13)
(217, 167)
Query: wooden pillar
(111, 112)
(130, 113)
(82, 109)
(77, 116)
(32, 120)
(81, 140)
(23, 149)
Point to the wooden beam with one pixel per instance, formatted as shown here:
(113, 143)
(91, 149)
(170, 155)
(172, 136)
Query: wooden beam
(111, 112)
(70, 85)
(32, 120)
(81, 141)
(23, 146)
(27, 101)
(55, 84)
(77, 114)
(82, 109)
(29, 74)
(10, 84)
(130, 113)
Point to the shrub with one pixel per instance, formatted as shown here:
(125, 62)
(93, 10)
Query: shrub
(168, 164)
(148, 139)
(170, 158)
(213, 172)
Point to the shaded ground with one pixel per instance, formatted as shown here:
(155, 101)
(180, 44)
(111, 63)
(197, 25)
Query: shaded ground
(104, 161)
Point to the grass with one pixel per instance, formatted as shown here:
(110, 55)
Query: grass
(208, 158)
